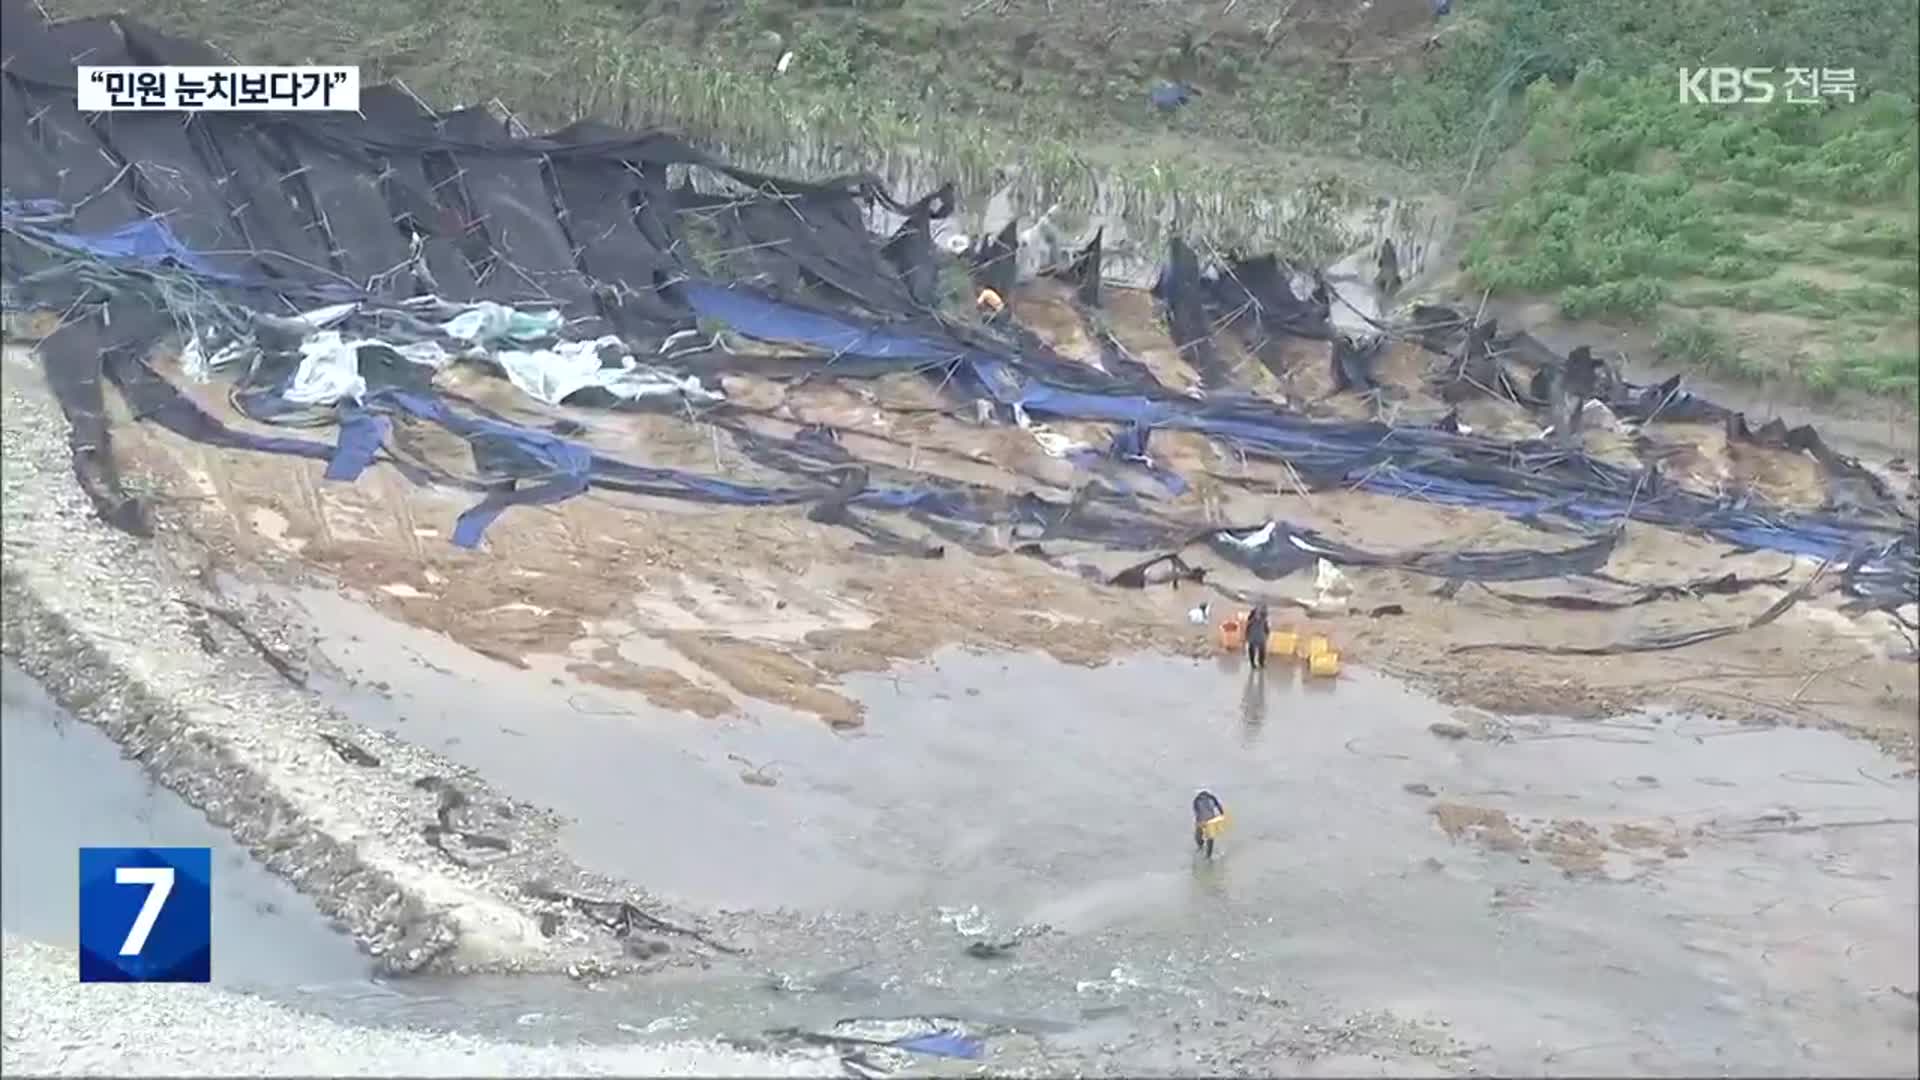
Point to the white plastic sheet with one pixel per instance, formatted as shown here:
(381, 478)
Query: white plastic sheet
(329, 371)
(1052, 443)
(487, 324)
(1328, 581)
(199, 365)
(329, 368)
(1332, 592)
(425, 353)
(556, 374)
(1255, 539)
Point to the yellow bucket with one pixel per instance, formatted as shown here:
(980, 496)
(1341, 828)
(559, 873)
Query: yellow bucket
(1281, 643)
(1324, 664)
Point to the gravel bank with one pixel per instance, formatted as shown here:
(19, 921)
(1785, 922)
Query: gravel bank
(119, 632)
(54, 1025)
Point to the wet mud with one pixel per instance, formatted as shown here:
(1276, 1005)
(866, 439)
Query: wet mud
(1658, 892)
(960, 787)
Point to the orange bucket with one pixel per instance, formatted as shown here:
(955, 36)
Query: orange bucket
(1233, 633)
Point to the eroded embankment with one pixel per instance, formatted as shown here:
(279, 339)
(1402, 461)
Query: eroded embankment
(66, 785)
(118, 631)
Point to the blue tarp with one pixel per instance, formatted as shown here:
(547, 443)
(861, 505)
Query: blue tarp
(1528, 481)
(147, 243)
(770, 320)
(561, 469)
(150, 244)
(945, 1044)
(362, 433)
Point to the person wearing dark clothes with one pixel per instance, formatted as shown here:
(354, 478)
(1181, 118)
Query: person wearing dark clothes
(1257, 637)
(1209, 818)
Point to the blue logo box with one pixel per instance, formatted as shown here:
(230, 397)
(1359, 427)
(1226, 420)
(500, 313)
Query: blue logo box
(146, 914)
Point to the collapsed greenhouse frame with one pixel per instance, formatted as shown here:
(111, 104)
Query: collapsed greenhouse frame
(252, 236)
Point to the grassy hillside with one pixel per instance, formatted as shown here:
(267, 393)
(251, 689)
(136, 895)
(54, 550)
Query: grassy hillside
(1385, 79)
(1297, 95)
(1761, 239)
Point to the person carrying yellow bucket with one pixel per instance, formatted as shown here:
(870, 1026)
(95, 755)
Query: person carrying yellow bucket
(1209, 821)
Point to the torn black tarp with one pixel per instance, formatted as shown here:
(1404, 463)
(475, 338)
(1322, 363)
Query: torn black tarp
(1170, 569)
(1353, 364)
(47, 151)
(1183, 293)
(1636, 595)
(835, 509)
(349, 213)
(910, 251)
(1880, 579)
(621, 917)
(1277, 549)
(995, 258)
(509, 197)
(628, 270)
(1084, 270)
(398, 205)
(1262, 285)
(74, 356)
(434, 221)
(1440, 467)
(1851, 486)
(1668, 639)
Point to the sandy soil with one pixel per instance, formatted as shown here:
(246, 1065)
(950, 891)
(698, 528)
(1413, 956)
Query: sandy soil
(712, 611)
(702, 608)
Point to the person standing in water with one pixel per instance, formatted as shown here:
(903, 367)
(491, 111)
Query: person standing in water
(1257, 630)
(1209, 819)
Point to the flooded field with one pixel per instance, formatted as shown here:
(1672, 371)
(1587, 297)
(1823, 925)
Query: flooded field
(1657, 893)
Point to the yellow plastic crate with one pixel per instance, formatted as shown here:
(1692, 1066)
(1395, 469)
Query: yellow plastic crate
(1324, 665)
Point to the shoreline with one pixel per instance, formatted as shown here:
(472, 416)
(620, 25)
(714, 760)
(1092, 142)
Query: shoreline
(54, 1025)
(120, 650)
(107, 624)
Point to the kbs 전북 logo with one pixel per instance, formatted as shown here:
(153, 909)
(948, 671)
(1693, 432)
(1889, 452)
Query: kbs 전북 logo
(146, 914)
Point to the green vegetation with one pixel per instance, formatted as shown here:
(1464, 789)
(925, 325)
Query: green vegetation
(1634, 204)
(1630, 206)
(1053, 97)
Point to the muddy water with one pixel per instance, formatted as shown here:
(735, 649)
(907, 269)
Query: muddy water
(986, 793)
(66, 785)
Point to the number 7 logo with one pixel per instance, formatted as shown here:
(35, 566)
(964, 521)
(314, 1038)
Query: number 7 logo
(159, 882)
(146, 914)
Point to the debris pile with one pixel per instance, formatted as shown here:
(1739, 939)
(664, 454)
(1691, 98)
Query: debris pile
(337, 267)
